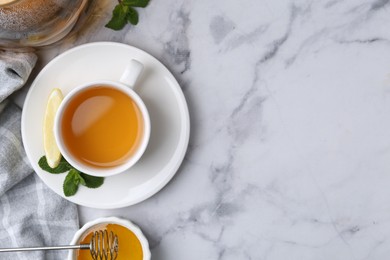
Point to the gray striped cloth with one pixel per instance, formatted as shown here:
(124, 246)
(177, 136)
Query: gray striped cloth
(30, 213)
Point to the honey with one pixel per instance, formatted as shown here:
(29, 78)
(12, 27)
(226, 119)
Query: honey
(102, 127)
(129, 245)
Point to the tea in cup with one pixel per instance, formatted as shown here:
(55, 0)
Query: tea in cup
(102, 128)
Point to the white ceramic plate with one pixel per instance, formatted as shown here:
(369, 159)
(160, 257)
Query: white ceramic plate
(163, 97)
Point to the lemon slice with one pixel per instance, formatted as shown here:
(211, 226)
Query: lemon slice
(53, 154)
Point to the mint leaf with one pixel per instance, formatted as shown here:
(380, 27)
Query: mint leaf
(136, 3)
(92, 181)
(73, 178)
(78, 179)
(70, 185)
(132, 16)
(124, 13)
(118, 20)
(81, 180)
(64, 166)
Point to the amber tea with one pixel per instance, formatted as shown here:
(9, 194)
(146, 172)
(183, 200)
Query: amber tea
(102, 127)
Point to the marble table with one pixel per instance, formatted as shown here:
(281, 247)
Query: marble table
(289, 154)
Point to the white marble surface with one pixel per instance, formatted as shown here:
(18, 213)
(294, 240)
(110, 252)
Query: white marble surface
(289, 155)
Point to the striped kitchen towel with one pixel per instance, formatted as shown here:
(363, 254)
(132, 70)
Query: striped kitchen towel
(30, 213)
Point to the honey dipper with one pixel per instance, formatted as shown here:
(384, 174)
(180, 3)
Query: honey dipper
(103, 246)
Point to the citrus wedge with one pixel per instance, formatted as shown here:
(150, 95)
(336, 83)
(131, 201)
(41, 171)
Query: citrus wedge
(53, 155)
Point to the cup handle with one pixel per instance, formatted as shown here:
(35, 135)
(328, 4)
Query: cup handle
(131, 73)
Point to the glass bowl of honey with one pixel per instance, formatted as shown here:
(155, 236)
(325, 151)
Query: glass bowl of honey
(132, 243)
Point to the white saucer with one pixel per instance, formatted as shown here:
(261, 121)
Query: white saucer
(163, 97)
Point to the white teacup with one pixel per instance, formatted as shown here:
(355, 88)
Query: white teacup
(124, 85)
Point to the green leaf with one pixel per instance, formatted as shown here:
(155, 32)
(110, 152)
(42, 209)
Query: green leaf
(70, 185)
(136, 3)
(118, 20)
(81, 180)
(132, 16)
(78, 179)
(64, 166)
(92, 181)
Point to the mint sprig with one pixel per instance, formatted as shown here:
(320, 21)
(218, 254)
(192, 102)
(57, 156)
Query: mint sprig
(124, 13)
(73, 178)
